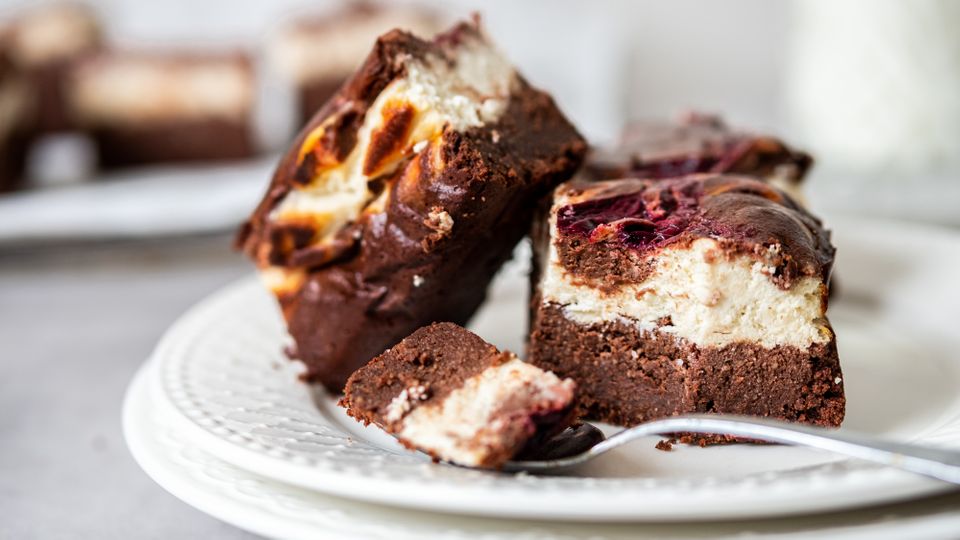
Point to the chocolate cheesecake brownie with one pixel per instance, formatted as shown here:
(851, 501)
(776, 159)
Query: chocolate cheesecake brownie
(15, 101)
(318, 53)
(704, 293)
(699, 143)
(144, 107)
(445, 391)
(399, 201)
(44, 42)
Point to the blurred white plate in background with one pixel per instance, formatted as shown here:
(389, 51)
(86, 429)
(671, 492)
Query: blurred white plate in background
(135, 204)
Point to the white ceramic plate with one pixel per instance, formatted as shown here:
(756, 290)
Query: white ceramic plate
(164, 449)
(140, 203)
(220, 372)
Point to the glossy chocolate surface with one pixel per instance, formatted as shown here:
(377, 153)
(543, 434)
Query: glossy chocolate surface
(605, 225)
(641, 219)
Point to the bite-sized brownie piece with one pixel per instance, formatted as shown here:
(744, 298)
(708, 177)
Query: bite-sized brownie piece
(399, 201)
(704, 293)
(15, 100)
(699, 143)
(43, 43)
(317, 53)
(447, 392)
(145, 107)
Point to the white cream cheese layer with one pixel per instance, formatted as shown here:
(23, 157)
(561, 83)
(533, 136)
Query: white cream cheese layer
(471, 92)
(710, 299)
(485, 414)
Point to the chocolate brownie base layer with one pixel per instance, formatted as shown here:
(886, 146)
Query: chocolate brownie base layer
(173, 141)
(626, 376)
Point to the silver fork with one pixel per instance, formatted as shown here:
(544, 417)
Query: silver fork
(940, 463)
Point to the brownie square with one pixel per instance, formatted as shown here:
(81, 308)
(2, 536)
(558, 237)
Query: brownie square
(401, 199)
(704, 293)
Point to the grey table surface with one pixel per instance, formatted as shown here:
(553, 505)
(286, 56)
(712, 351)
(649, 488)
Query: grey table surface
(75, 324)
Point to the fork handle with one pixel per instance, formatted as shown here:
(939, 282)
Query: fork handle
(940, 463)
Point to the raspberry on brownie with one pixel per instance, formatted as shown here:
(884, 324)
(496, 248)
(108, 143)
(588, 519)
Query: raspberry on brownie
(447, 392)
(704, 293)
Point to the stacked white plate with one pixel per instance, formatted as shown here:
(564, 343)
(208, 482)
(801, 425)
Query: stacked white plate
(218, 418)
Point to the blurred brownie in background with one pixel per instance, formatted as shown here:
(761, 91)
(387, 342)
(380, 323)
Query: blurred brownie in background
(15, 100)
(699, 143)
(155, 107)
(317, 53)
(44, 42)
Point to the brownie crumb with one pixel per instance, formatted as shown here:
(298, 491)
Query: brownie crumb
(704, 440)
(666, 445)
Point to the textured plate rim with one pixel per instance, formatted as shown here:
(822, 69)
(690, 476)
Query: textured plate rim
(231, 499)
(844, 484)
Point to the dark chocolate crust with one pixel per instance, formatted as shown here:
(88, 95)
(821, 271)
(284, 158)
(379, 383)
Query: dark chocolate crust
(626, 376)
(173, 141)
(612, 232)
(439, 357)
(697, 143)
(399, 268)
